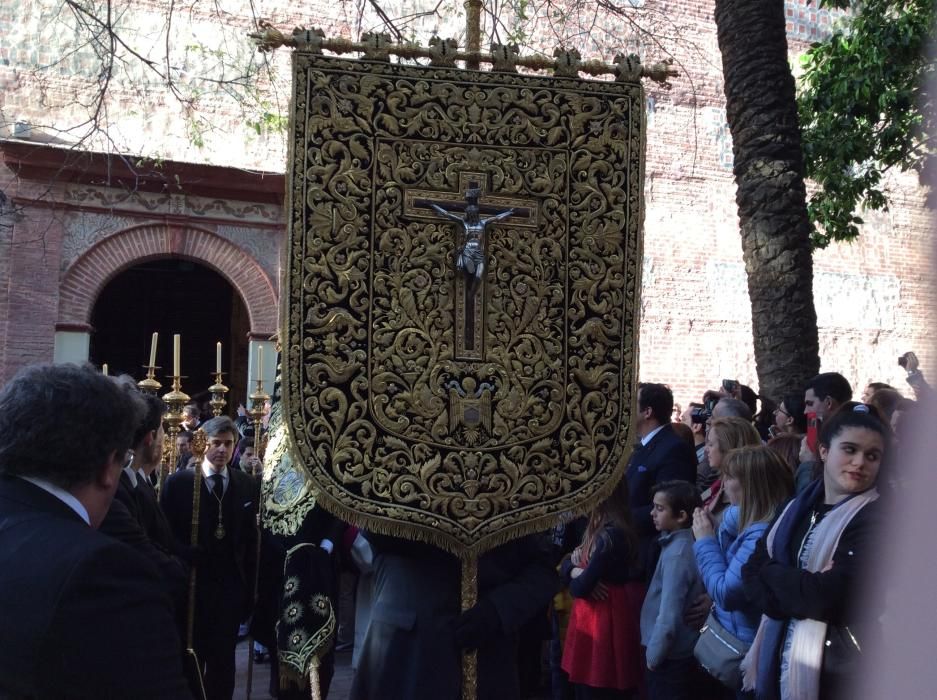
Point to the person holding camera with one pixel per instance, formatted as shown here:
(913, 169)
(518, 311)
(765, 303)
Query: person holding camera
(695, 417)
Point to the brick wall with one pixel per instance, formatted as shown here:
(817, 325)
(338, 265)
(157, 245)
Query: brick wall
(872, 297)
(32, 283)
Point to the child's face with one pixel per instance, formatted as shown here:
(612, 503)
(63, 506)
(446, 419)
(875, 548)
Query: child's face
(733, 490)
(665, 520)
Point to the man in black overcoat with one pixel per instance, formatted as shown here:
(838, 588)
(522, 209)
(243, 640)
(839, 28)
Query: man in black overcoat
(660, 455)
(224, 558)
(135, 517)
(82, 615)
(416, 636)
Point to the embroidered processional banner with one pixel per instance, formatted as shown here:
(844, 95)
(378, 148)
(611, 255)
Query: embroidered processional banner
(461, 302)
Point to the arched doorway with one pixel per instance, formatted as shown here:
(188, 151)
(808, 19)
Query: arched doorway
(172, 295)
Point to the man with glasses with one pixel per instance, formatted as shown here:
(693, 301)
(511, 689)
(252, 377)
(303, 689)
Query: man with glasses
(81, 615)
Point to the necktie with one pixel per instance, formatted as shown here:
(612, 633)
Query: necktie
(217, 489)
(217, 486)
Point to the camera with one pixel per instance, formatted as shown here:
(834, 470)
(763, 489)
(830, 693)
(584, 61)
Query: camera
(701, 414)
(903, 361)
(730, 386)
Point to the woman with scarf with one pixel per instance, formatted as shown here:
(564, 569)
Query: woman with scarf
(804, 572)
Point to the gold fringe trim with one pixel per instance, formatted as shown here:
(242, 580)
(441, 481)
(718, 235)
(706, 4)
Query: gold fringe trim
(390, 527)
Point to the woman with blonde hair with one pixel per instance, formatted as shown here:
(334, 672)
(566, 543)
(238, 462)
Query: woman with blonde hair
(764, 483)
(723, 436)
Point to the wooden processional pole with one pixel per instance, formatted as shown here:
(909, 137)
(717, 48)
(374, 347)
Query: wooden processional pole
(194, 668)
(473, 10)
(470, 562)
(473, 32)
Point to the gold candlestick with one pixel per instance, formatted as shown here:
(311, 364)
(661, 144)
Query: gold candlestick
(258, 400)
(150, 384)
(175, 401)
(218, 391)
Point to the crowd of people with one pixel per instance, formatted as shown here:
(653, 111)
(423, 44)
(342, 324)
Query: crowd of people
(733, 555)
(726, 563)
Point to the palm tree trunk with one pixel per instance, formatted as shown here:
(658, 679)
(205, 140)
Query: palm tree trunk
(762, 115)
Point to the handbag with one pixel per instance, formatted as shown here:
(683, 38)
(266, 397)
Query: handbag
(720, 653)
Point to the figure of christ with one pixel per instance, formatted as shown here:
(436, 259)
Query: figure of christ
(470, 257)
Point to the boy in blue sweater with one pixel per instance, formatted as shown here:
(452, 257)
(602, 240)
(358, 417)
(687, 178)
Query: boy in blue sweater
(669, 642)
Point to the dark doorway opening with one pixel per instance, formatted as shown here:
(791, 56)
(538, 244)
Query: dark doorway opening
(173, 296)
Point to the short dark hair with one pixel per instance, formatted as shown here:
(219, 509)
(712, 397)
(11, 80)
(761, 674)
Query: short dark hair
(154, 408)
(749, 398)
(830, 384)
(61, 423)
(220, 424)
(680, 495)
(192, 409)
(657, 397)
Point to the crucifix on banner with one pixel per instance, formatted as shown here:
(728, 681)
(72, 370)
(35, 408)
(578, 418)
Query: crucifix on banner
(476, 211)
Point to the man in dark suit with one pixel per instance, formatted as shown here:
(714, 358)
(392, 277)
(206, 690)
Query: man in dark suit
(659, 456)
(81, 615)
(224, 558)
(416, 636)
(135, 517)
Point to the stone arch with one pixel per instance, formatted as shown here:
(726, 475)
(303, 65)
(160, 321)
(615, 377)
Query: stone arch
(88, 275)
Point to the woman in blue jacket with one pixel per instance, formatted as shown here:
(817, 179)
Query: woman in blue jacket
(765, 483)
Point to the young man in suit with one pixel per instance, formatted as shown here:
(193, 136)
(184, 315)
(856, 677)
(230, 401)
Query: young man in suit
(825, 393)
(135, 517)
(661, 455)
(225, 557)
(81, 615)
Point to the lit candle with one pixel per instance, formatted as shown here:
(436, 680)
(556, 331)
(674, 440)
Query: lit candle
(175, 354)
(153, 350)
(104, 369)
(218, 357)
(260, 362)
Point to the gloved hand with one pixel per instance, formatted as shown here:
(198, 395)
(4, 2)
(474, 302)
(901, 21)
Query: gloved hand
(477, 625)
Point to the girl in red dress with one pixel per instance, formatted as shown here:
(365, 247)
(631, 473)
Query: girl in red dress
(602, 654)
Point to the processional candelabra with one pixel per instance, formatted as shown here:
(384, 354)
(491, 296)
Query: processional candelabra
(218, 390)
(258, 401)
(150, 385)
(175, 402)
